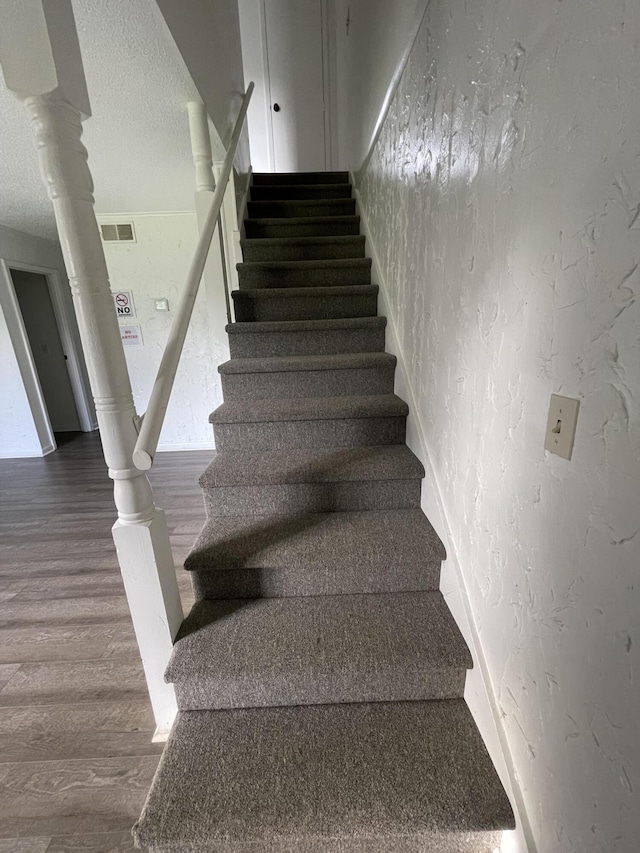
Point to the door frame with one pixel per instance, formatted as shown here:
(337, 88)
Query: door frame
(255, 31)
(24, 355)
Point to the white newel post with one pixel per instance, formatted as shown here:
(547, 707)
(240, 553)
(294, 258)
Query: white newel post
(54, 94)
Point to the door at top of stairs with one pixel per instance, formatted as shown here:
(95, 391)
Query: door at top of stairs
(293, 48)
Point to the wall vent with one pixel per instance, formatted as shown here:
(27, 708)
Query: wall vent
(121, 233)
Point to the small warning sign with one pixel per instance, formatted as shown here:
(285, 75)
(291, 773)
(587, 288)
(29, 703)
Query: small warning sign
(123, 300)
(131, 335)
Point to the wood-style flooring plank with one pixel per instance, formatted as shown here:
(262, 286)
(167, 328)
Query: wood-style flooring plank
(71, 797)
(25, 845)
(105, 842)
(66, 643)
(93, 730)
(74, 682)
(76, 755)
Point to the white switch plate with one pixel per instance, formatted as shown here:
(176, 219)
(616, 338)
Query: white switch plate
(561, 425)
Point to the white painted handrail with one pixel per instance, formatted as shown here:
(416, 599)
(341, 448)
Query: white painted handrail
(154, 418)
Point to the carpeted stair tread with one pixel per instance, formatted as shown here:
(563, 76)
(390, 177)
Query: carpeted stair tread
(316, 465)
(285, 364)
(306, 325)
(326, 263)
(260, 192)
(319, 554)
(306, 337)
(326, 273)
(307, 292)
(303, 248)
(241, 653)
(305, 303)
(318, 542)
(308, 408)
(278, 178)
(402, 777)
(267, 227)
(301, 208)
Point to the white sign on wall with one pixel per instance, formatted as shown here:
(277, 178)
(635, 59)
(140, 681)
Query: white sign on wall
(131, 335)
(123, 300)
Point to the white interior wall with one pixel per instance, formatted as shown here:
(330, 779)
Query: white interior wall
(156, 267)
(502, 199)
(18, 434)
(369, 41)
(208, 37)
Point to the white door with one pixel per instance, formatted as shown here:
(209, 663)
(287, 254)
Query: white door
(294, 50)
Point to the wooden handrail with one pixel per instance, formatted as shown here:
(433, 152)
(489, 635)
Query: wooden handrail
(154, 418)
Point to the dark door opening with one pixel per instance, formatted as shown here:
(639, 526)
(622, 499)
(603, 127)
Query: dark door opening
(32, 292)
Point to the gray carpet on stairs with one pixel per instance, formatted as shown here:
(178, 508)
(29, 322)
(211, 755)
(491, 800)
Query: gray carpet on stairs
(326, 273)
(320, 674)
(303, 248)
(305, 303)
(307, 651)
(395, 776)
(263, 425)
(330, 553)
(306, 337)
(303, 226)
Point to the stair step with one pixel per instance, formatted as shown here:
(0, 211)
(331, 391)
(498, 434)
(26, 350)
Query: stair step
(302, 226)
(325, 273)
(303, 248)
(275, 424)
(305, 303)
(271, 192)
(306, 337)
(386, 647)
(330, 553)
(357, 374)
(353, 778)
(276, 178)
(302, 208)
(302, 481)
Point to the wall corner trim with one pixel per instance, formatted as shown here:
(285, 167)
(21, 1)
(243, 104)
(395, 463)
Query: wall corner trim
(421, 449)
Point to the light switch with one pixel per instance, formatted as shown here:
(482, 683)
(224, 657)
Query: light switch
(561, 425)
(162, 304)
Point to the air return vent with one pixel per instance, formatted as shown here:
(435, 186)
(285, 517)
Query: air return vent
(120, 233)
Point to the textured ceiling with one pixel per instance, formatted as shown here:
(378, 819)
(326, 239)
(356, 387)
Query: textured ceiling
(138, 135)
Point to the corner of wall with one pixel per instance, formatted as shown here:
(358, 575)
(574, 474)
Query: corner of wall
(479, 692)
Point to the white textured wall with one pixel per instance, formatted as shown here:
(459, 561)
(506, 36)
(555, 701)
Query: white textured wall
(18, 436)
(156, 266)
(367, 56)
(503, 198)
(208, 37)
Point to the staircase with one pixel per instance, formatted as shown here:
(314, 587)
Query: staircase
(320, 674)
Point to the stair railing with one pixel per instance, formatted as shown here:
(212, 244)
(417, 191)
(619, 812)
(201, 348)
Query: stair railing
(151, 422)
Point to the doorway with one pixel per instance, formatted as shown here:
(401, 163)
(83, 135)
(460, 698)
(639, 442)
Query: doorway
(49, 358)
(38, 318)
(287, 53)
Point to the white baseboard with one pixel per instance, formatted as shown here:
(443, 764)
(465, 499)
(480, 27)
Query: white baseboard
(25, 454)
(167, 447)
(479, 692)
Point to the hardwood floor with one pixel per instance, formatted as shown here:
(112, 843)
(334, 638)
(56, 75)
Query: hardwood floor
(76, 757)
